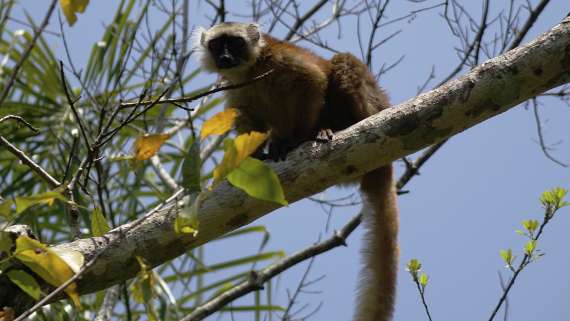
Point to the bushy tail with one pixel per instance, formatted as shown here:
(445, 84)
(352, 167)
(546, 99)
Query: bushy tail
(377, 288)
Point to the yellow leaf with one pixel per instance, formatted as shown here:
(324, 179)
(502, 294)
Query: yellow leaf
(47, 264)
(248, 143)
(71, 7)
(228, 162)
(236, 151)
(220, 123)
(73, 259)
(147, 146)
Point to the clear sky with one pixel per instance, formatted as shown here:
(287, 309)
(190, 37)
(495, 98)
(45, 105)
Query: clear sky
(465, 206)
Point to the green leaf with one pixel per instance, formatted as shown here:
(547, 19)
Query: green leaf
(529, 247)
(423, 280)
(218, 286)
(252, 259)
(25, 282)
(257, 180)
(99, 224)
(144, 289)
(253, 308)
(187, 219)
(554, 198)
(507, 256)
(530, 226)
(191, 168)
(236, 151)
(6, 209)
(247, 230)
(5, 242)
(24, 202)
(414, 266)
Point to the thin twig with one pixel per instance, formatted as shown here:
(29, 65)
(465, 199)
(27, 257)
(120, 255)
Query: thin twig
(195, 97)
(525, 261)
(12, 78)
(541, 136)
(19, 119)
(256, 279)
(533, 16)
(52, 182)
(302, 19)
(413, 169)
(423, 297)
(503, 287)
(71, 103)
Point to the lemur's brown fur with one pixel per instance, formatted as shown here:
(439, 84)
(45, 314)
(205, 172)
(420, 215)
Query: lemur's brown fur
(304, 97)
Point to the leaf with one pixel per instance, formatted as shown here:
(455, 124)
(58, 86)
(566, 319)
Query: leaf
(145, 282)
(236, 151)
(99, 224)
(25, 282)
(71, 7)
(229, 162)
(423, 280)
(74, 259)
(529, 247)
(507, 256)
(6, 209)
(220, 123)
(148, 145)
(258, 180)
(414, 266)
(554, 198)
(144, 289)
(530, 225)
(5, 241)
(187, 219)
(191, 168)
(47, 264)
(24, 202)
(247, 144)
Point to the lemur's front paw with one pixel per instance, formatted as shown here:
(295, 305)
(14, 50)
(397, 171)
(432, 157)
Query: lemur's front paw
(325, 135)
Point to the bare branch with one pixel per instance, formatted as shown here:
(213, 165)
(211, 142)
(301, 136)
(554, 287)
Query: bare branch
(256, 279)
(543, 146)
(37, 33)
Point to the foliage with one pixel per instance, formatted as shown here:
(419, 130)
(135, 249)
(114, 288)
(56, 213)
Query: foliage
(552, 201)
(93, 136)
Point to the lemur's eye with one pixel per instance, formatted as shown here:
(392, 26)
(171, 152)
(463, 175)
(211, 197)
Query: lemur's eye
(236, 42)
(215, 44)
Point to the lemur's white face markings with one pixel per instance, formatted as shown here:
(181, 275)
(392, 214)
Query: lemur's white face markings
(228, 47)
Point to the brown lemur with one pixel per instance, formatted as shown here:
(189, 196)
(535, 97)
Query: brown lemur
(307, 97)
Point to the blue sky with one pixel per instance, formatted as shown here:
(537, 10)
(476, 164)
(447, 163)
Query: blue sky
(465, 206)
